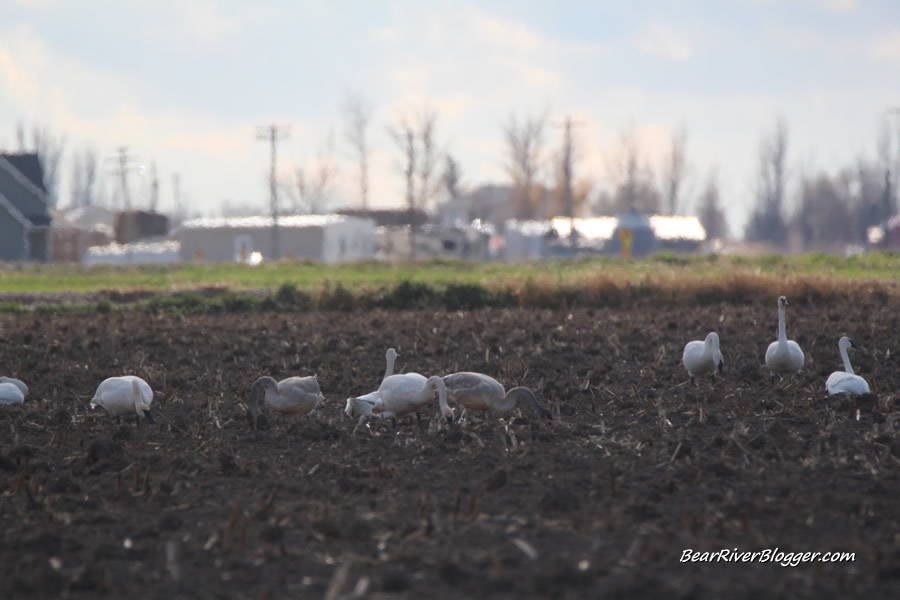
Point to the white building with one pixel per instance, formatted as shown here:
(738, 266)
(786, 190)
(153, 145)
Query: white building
(136, 253)
(324, 238)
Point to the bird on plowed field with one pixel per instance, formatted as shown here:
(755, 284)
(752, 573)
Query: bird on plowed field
(409, 393)
(291, 396)
(125, 395)
(846, 381)
(12, 391)
(784, 356)
(477, 391)
(703, 358)
(361, 406)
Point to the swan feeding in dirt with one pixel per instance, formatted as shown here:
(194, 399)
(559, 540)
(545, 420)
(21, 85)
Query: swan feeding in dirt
(404, 394)
(477, 391)
(846, 381)
(703, 358)
(12, 391)
(361, 406)
(291, 396)
(125, 395)
(784, 356)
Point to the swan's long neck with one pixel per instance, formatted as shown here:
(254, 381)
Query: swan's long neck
(782, 331)
(426, 395)
(137, 397)
(389, 368)
(846, 358)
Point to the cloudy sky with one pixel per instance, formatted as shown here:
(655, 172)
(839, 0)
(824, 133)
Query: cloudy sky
(185, 84)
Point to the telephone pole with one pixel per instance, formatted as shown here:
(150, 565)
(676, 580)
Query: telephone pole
(272, 133)
(176, 196)
(121, 171)
(567, 176)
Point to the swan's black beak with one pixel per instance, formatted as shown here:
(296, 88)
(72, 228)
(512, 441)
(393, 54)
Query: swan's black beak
(149, 416)
(252, 416)
(449, 419)
(721, 366)
(853, 345)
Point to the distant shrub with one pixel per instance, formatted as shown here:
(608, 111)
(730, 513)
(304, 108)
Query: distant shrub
(408, 295)
(336, 298)
(288, 297)
(466, 296)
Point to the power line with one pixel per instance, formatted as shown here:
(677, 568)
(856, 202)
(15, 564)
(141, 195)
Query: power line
(272, 133)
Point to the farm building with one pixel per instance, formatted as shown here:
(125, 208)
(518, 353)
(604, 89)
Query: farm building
(527, 240)
(135, 253)
(325, 238)
(24, 209)
(432, 241)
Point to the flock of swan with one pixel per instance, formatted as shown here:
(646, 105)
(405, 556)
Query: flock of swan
(407, 393)
(783, 357)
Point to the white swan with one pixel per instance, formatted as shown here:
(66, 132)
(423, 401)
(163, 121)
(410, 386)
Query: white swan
(784, 356)
(361, 406)
(291, 396)
(477, 391)
(703, 358)
(411, 392)
(12, 391)
(846, 382)
(125, 395)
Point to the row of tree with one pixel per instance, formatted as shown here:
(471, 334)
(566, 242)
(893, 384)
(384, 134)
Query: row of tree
(829, 209)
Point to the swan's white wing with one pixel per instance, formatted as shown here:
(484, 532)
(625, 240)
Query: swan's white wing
(10, 394)
(16, 382)
(841, 382)
(474, 391)
(362, 406)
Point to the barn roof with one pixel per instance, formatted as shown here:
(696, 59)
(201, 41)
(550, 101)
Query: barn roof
(262, 222)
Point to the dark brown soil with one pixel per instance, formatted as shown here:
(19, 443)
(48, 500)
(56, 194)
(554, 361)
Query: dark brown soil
(637, 467)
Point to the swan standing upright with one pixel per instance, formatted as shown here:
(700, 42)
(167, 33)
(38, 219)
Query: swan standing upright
(784, 356)
(404, 394)
(125, 395)
(703, 358)
(291, 396)
(846, 381)
(477, 391)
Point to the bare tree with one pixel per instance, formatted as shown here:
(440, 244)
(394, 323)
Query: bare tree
(886, 160)
(451, 178)
(635, 190)
(767, 220)
(524, 142)
(404, 135)
(675, 170)
(709, 210)
(312, 193)
(84, 177)
(49, 149)
(824, 216)
(357, 114)
(427, 161)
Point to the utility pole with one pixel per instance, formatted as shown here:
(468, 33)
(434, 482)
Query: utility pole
(176, 196)
(121, 171)
(273, 133)
(567, 176)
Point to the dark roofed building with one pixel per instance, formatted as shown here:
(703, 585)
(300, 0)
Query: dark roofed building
(24, 209)
(28, 165)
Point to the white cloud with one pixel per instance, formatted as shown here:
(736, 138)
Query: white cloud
(664, 41)
(838, 6)
(886, 48)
